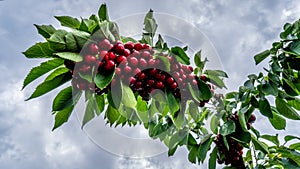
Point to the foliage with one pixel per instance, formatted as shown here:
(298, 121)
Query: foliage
(177, 121)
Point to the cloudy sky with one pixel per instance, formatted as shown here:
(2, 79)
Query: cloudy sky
(237, 29)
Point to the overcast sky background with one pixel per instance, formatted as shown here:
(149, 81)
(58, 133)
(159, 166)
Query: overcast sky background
(237, 29)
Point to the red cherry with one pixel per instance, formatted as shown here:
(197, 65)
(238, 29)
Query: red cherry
(150, 82)
(143, 63)
(202, 104)
(84, 68)
(118, 71)
(94, 49)
(105, 44)
(174, 67)
(159, 85)
(174, 85)
(252, 118)
(133, 61)
(129, 45)
(191, 77)
(151, 62)
(142, 76)
(111, 56)
(179, 81)
(162, 77)
(170, 80)
(126, 52)
(146, 54)
(127, 69)
(138, 46)
(177, 75)
(102, 54)
(204, 78)
(137, 71)
(119, 47)
(194, 82)
(157, 76)
(121, 59)
(135, 54)
(132, 80)
(138, 85)
(153, 72)
(109, 65)
(146, 46)
(89, 59)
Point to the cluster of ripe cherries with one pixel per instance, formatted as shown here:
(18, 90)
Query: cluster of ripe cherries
(138, 66)
(233, 155)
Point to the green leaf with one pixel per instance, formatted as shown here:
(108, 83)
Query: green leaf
(62, 116)
(161, 44)
(295, 103)
(219, 73)
(70, 56)
(68, 21)
(197, 59)
(216, 80)
(48, 86)
(202, 92)
(242, 136)
(194, 111)
(213, 158)
(192, 156)
(142, 110)
(165, 61)
(90, 111)
(102, 80)
(71, 43)
(261, 56)
(295, 146)
(39, 50)
(227, 128)
(180, 55)
(278, 122)
(242, 120)
(57, 72)
(150, 25)
(63, 99)
(81, 38)
(295, 47)
(172, 103)
(100, 101)
(259, 145)
(270, 88)
(292, 155)
(177, 138)
(40, 70)
(265, 108)
(87, 25)
(286, 110)
(290, 87)
(214, 122)
(109, 30)
(45, 30)
(273, 139)
(112, 115)
(128, 98)
(57, 40)
(103, 13)
(290, 137)
(203, 149)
